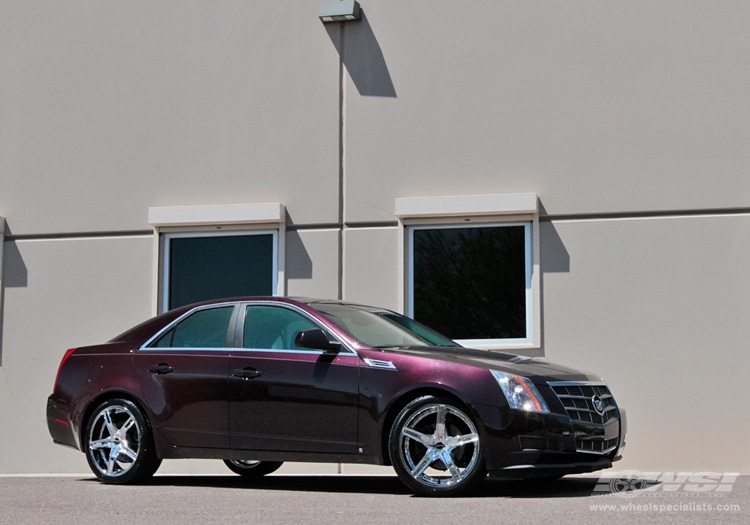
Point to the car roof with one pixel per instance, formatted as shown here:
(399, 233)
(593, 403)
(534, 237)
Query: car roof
(148, 327)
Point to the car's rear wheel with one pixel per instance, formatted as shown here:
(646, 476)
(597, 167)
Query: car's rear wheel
(435, 448)
(118, 443)
(252, 468)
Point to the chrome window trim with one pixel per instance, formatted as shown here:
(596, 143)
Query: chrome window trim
(145, 346)
(237, 350)
(239, 310)
(186, 349)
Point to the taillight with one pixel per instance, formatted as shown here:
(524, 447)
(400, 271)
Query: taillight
(65, 357)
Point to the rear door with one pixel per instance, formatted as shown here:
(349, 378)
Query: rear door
(183, 377)
(284, 397)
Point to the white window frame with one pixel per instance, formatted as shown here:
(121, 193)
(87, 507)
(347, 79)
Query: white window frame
(477, 211)
(211, 221)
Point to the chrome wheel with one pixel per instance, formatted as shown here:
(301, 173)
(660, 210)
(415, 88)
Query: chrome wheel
(435, 448)
(251, 467)
(118, 443)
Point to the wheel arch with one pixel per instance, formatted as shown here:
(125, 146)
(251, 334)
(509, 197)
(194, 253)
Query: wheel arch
(407, 397)
(106, 396)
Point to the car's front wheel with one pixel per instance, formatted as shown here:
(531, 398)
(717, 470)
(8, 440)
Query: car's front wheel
(435, 448)
(252, 468)
(118, 443)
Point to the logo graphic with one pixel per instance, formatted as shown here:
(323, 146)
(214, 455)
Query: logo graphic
(628, 484)
(632, 483)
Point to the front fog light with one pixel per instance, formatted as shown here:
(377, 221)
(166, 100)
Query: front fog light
(520, 392)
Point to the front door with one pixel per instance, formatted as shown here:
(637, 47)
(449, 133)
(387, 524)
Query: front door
(288, 398)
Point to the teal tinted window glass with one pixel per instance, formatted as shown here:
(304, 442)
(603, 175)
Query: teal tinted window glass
(273, 327)
(203, 329)
(429, 335)
(213, 267)
(370, 328)
(471, 282)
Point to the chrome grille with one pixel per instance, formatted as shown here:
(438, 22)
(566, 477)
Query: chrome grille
(597, 446)
(578, 400)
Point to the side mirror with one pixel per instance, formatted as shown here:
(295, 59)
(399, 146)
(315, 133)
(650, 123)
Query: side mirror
(316, 339)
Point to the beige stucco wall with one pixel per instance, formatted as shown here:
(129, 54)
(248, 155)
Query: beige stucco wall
(659, 307)
(597, 107)
(637, 108)
(312, 263)
(112, 107)
(60, 294)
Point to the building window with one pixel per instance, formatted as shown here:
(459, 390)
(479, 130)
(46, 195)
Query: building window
(214, 251)
(472, 283)
(471, 267)
(202, 266)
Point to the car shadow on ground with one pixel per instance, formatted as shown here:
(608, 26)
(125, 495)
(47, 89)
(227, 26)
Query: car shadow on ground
(572, 487)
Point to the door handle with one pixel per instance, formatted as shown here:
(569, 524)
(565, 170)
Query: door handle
(246, 373)
(161, 368)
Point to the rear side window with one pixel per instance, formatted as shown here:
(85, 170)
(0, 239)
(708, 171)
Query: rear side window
(203, 329)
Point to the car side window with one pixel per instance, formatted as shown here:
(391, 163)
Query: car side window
(203, 329)
(273, 327)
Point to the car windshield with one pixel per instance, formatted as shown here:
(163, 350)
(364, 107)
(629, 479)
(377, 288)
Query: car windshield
(426, 333)
(370, 328)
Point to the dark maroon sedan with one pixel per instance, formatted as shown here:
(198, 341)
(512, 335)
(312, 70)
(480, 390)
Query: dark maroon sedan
(259, 381)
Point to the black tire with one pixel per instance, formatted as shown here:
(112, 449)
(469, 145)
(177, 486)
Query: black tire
(118, 443)
(435, 448)
(251, 468)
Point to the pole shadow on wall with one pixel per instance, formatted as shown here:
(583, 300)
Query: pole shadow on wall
(362, 57)
(554, 255)
(14, 275)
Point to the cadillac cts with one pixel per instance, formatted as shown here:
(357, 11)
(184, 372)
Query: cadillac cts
(258, 381)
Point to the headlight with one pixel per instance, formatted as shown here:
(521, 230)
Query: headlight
(520, 392)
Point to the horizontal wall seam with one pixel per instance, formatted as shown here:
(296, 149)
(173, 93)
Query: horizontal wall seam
(394, 224)
(381, 224)
(645, 214)
(348, 225)
(148, 233)
(77, 235)
(320, 226)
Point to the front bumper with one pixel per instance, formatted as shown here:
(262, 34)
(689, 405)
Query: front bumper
(529, 444)
(549, 470)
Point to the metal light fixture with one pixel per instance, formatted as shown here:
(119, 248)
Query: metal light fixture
(340, 11)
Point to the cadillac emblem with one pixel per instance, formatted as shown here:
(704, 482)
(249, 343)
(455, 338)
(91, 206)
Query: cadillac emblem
(598, 405)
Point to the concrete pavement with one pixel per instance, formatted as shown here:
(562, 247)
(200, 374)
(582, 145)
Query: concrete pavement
(344, 499)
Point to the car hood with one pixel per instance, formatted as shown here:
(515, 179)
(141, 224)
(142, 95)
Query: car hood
(539, 370)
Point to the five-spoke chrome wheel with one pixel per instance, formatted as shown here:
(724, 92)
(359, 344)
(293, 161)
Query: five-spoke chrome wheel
(435, 447)
(252, 468)
(118, 443)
